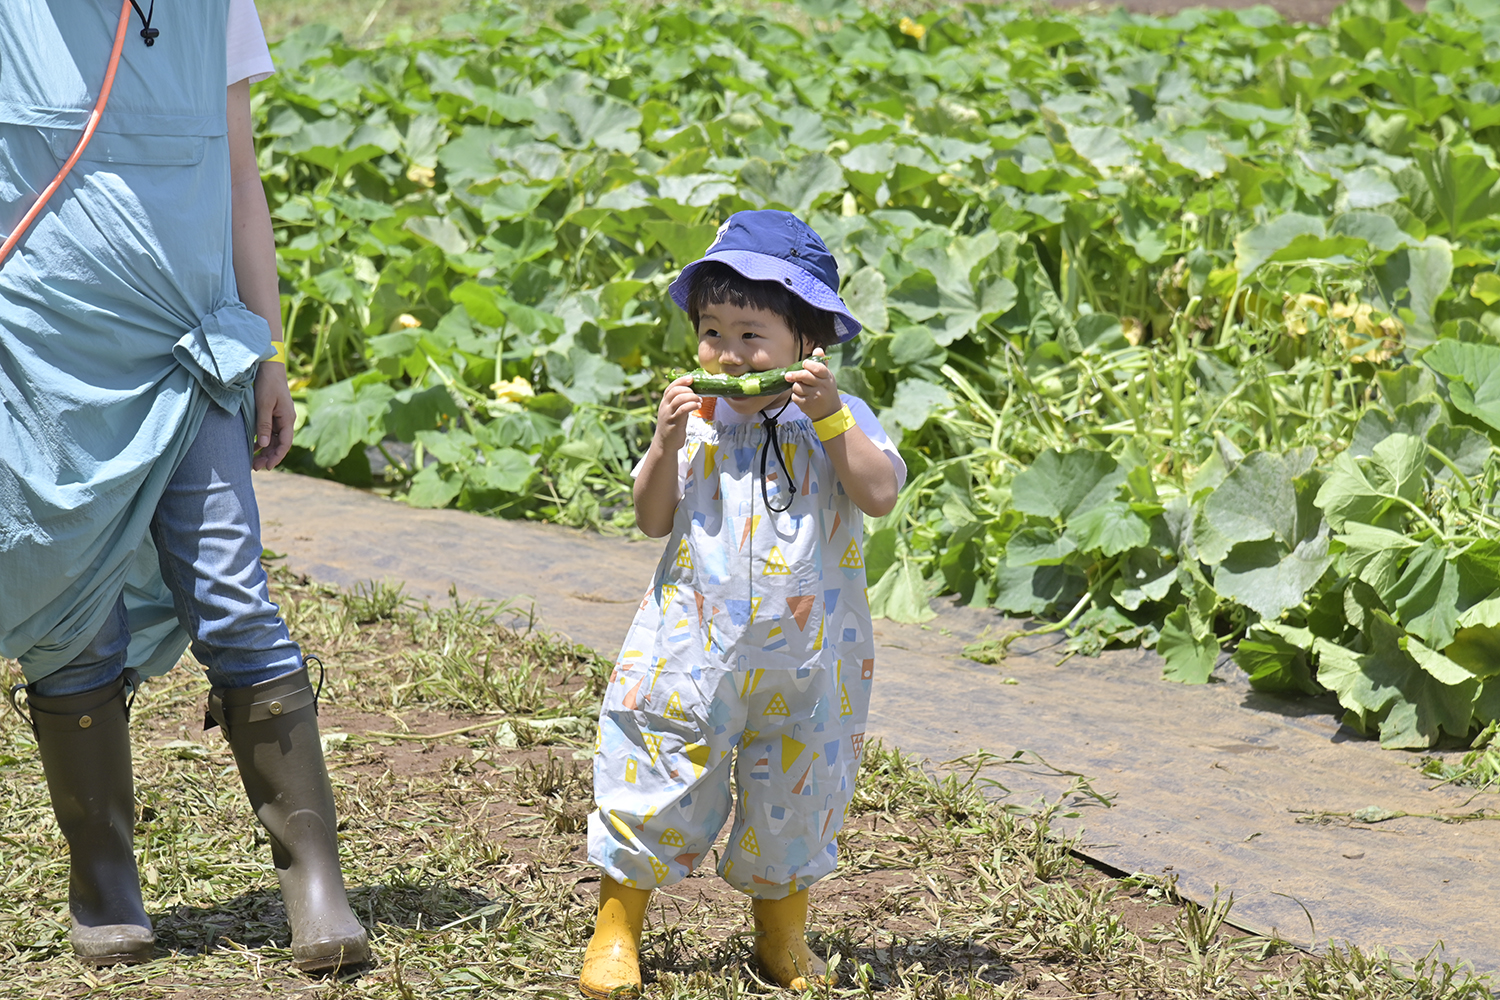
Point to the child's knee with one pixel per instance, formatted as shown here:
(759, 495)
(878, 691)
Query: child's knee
(657, 849)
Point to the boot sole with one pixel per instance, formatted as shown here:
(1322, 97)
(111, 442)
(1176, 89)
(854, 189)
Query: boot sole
(138, 956)
(347, 957)
(618, 993)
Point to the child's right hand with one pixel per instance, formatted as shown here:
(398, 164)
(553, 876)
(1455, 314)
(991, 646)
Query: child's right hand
(677, 404)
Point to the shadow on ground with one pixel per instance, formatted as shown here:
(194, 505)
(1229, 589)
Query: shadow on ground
(258, 919)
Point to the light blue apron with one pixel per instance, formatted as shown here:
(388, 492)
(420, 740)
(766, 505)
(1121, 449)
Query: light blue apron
(119, 317)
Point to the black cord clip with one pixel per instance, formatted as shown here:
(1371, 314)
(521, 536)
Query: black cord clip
(148, 33)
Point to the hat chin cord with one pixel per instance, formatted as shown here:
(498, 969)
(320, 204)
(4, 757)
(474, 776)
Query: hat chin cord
(88, 133)
(772, 443)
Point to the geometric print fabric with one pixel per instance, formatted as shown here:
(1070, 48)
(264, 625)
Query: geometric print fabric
(745, 676)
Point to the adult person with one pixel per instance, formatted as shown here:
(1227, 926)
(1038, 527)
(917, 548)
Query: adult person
(141, 379)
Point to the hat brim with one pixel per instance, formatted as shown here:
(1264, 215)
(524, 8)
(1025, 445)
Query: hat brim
(765, 267)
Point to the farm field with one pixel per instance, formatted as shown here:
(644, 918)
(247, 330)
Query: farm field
(464, 854)
(1184, 325)
(1187, 325)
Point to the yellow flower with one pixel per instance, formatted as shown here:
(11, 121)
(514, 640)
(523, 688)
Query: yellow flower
(407, 321)
(418, 174)
(1133, 330)
(1299, 312)
(1362, 335)
(912, 28)
(513, 390)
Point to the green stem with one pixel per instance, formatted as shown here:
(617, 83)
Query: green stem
(1420, 514)
(1068, 619)
(1457, 472)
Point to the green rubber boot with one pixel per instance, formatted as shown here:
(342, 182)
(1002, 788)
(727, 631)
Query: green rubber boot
(273, 730)
(84, 741)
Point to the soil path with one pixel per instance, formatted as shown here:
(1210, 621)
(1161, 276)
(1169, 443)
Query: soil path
(1226, 789)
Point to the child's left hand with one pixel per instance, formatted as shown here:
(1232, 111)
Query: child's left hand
(814, 389)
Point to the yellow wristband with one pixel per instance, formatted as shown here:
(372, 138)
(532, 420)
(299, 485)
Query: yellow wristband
(832, 426)
(278, 352)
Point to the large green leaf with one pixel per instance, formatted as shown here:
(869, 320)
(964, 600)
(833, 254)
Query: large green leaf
(1473, 373)
(1259, 499)
(344, 416)
(1465, 188)
(1278, 659)
(1261, 243)
(685, 243)
(901, 594)
(1145, 575)
(1189, 656)
(1425, 596)
(864, 293)
(1266, 578)
(1109, 529)
(1387, 691)
(1375, 554)
(1430, 272)
(916, 401)
(1038, 546)
(1375, 490)
(504, 469)
(1035, 590)
(795, 187)
(1059, 485)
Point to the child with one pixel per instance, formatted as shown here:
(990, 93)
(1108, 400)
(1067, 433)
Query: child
(139, 354)
(755, 637)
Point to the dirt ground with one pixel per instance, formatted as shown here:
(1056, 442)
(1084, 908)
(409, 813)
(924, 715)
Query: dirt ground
(459, 752)
(1222, 804)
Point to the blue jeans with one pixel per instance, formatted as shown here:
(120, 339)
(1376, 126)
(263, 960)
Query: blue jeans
(207, 534)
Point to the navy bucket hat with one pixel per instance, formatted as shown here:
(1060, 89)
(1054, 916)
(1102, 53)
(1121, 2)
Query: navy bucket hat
(769, 245)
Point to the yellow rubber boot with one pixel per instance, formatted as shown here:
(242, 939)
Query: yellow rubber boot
(781, 942)
(613, 959)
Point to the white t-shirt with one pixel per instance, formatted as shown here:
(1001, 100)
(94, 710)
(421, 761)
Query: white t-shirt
(864, 419)
(249, 56)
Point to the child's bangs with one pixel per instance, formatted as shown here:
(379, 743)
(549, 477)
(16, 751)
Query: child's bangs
(716, 284)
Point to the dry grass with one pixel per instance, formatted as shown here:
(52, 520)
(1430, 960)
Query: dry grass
(361, 21)
(465, 856)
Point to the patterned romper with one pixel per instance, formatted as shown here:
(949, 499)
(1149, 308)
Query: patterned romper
(755, 638)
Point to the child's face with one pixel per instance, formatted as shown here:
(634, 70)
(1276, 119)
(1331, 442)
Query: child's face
(735, 340)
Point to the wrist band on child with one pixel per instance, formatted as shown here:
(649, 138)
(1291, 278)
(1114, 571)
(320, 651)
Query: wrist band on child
(832, 426)
(278, 352)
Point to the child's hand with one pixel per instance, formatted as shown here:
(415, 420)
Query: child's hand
(677, 404)
(814, 388)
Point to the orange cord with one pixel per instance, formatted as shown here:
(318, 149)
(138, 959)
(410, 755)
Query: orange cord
(88, 133)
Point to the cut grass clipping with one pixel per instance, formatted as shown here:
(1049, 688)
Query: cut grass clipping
(465, 854)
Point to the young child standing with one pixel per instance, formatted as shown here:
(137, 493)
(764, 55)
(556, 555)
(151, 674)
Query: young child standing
(752, 653)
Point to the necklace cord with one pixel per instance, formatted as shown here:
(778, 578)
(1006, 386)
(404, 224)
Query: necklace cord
(88, 133)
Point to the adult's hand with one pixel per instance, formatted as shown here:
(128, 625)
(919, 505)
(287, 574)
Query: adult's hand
(274, 416)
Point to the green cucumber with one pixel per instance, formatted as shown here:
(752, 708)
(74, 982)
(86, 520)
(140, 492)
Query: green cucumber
(767, 383)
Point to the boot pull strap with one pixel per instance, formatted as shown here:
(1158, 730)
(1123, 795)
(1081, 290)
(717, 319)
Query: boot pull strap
(132, 679)
(322, 674)
(10, 696)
